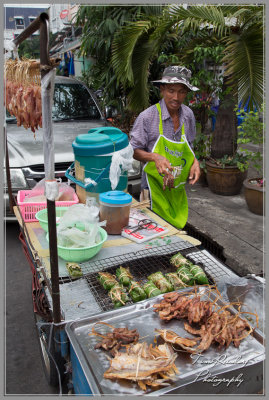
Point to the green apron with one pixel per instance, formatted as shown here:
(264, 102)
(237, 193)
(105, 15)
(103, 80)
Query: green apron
(171, 205)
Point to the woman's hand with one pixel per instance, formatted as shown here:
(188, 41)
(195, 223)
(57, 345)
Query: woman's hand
(195, 172)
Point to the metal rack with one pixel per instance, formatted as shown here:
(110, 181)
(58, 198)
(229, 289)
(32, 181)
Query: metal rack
(141, 264)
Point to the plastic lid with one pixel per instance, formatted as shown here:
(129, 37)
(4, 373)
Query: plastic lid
(99, 141)
(115, 197)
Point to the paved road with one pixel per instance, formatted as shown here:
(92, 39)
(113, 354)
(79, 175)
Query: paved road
(24, 372)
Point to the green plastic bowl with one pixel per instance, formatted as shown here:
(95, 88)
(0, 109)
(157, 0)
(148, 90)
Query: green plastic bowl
(81, 254)
(42, 216)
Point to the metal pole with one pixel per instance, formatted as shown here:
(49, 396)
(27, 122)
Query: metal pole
(41, 23)
(44, 61)
(9, 187)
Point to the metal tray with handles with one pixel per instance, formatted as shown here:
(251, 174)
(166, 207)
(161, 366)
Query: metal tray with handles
(192, 368)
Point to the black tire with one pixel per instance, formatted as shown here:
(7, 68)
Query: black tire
(49, 356)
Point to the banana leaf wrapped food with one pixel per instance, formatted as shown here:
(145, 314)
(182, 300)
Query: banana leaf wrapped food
(185, 275)
(199, 275)
(175, 280)
(151, 290)
(107, 280)
(73, 269)
(118, 295)
(161, 282)
(124, 276)
(179, 260)
(136, 292)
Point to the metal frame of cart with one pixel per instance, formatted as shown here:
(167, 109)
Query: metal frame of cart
(50, 313)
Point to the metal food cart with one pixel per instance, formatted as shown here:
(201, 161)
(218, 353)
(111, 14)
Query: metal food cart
(66, 308)
(67, 345)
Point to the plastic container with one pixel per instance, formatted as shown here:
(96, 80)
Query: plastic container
(93, 154)
(42, 216)
(29, 209)
(115, 209)
(81, 254)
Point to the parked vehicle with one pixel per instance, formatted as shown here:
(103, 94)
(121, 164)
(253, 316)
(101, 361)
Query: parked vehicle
(75, 111)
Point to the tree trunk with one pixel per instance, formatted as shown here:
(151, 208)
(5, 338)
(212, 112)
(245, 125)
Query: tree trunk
(224, 139)
(203, 117)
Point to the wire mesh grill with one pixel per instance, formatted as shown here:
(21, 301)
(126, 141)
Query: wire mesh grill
(145, 262)
(210, 265)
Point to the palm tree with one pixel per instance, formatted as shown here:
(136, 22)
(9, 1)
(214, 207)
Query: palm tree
(239, 28)
(99, 24)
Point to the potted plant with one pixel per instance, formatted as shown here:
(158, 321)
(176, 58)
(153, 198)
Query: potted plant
(251, 131)
(226, 167)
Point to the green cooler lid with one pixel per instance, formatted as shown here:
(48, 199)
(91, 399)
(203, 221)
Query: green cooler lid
(99, 141)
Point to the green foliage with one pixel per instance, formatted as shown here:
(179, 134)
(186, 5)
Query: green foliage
(202, 147)
(208, 81)
(134, 50)
(214, 54)
(30, 48)
(241, 46)
(251, 131)
(133, 44)
(87, 79)
(100, 25)
(237, 160)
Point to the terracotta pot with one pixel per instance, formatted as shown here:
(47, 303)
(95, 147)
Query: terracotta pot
(227, 181)
(254, 196)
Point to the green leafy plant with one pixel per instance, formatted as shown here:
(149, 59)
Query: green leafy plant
(251, 131)
(201, 147)
(139, 44)
(238, 160)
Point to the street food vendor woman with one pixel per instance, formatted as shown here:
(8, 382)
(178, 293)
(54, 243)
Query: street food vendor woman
(162, 138)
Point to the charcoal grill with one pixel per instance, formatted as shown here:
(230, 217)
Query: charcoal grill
(143, 263)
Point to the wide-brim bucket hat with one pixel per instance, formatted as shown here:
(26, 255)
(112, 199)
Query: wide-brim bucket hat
(176, 74)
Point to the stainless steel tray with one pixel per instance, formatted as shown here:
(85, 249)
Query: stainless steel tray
(142, 317)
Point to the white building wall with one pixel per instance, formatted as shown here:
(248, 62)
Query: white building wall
(56, 22)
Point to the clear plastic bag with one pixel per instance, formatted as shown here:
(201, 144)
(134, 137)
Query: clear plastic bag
(65, 192)
(79, 226)
(122, 160)
(249, 291)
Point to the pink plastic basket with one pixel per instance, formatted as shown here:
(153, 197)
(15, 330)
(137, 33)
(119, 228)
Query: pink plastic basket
(29, 209)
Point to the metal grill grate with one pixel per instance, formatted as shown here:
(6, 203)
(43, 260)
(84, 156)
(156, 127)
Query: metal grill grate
(143, 263)
(210, 265)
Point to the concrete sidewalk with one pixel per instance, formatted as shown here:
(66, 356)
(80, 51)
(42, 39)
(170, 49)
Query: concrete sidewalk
(226, 222)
